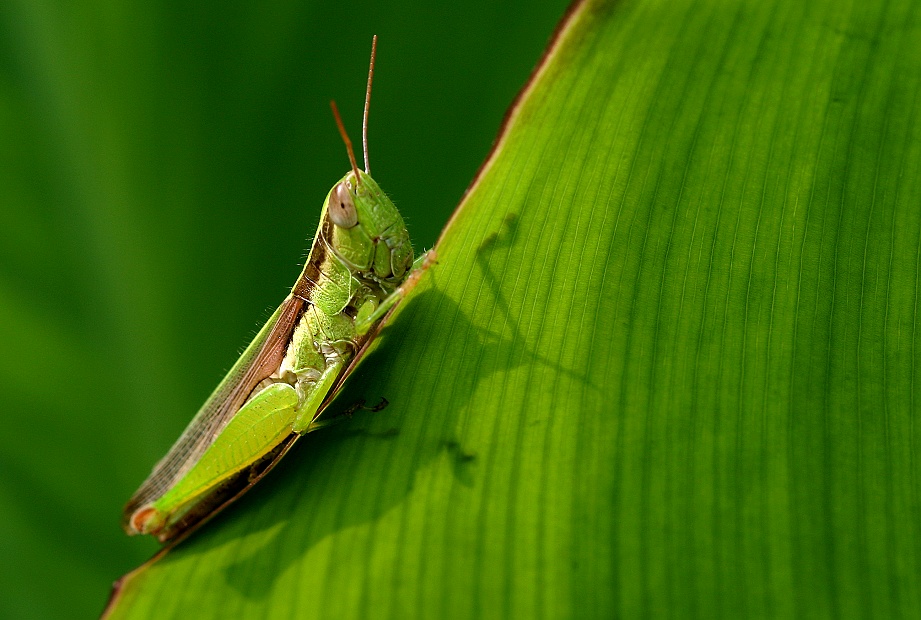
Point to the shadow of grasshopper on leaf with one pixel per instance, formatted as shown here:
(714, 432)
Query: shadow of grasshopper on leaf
(313, 486)
(505, 238)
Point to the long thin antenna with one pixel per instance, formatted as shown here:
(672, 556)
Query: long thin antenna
(364, 122)
(345, 138)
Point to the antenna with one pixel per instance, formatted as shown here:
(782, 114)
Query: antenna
(345, 138)
(364, 122)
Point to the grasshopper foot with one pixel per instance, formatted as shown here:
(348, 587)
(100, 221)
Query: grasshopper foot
(348, 413)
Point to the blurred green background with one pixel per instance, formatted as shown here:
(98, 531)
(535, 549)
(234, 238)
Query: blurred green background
(164, 165)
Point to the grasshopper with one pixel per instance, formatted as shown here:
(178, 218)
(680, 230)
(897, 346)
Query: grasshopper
(359, 267)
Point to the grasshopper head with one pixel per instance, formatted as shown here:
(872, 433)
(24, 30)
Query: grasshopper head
(364, 229)
(367, 232)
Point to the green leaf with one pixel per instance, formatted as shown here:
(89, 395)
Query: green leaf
(666, 363)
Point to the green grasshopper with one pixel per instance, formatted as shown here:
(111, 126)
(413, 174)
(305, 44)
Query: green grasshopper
(360, 265)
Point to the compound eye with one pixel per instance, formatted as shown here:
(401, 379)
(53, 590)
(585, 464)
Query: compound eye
(341, 208)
